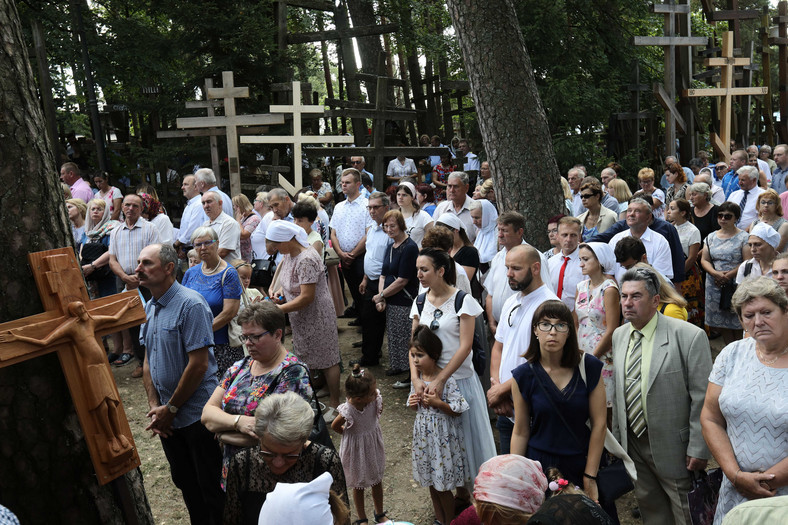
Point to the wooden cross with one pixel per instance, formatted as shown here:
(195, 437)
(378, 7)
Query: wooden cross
(230, 121)
(721, 142)
(72, 326)
(297, 139)
(781, 41)
(666, 93)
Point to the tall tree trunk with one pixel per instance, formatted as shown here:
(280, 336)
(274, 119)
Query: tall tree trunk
(510, 114)
(43, 455)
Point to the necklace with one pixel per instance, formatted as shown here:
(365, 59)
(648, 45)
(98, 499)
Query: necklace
(214, 268)
(769, 362)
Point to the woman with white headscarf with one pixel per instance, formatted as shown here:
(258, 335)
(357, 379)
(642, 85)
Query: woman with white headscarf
(304, 295)
(598, 309)
(417, 221)
(485, 220)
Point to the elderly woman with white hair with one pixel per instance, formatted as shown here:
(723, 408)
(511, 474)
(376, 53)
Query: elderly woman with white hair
(305, 297)
(763, 244)
(283, 423)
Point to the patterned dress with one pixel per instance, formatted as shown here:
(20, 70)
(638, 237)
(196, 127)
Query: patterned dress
(725, 254)
(754, 402)
(315, 337)
(590, 310)
(244, 391)
(361, 451)
(439, 443)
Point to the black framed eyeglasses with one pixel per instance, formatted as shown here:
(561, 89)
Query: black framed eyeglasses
(544, 326)
(252, 338)
(510, 314)
(434, 325)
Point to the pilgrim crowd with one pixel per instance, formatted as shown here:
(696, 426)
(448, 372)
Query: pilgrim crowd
(590, 358)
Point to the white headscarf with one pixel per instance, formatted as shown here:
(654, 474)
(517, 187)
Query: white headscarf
(487, 236)
(299, 503)
(605, 255)
(283, 231)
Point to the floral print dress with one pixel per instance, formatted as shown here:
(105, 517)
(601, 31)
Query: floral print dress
(590, 309)
(439, 443)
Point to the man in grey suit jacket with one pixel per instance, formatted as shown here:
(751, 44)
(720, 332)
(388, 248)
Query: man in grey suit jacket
(661, 367)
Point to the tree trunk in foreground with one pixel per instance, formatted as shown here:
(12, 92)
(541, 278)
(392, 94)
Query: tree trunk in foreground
(46, 475)
(510, 113)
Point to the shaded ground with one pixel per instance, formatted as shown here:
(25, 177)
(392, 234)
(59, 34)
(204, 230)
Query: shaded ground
(403, 498)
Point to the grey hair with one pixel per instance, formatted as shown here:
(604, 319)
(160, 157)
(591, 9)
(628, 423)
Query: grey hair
(701, 188)
(648, 277)
(278, 193)
(204, 231)
(205, 175)
(459, 175)
(167, 255)
(749, 171)
(286, 418)
(384, 198)
(638, 200)
(756, 288)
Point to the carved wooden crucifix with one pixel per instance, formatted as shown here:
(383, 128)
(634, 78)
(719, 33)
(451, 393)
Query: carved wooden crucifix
(230, 121)
(72, 326)
(727, 62)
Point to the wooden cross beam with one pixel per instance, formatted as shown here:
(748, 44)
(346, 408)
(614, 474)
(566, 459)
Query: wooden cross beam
(727, 62)
(297, 139)
(230, 121)
(666, 93)
(72, 326)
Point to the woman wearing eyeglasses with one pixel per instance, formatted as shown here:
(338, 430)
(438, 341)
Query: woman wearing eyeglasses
(723, 252)
(770, 211)
(219, 284)
(437, 273)
(282, 454)
(553, 401)
(269, 368)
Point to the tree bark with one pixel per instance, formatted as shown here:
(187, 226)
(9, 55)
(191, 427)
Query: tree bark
(510, 114)
(47, 475)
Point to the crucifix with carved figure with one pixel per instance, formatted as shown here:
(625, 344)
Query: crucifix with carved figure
(72, 326)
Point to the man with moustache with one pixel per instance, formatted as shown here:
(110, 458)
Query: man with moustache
(523, 266)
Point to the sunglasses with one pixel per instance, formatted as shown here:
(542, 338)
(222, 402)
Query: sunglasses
(434, 325)
(726, 216)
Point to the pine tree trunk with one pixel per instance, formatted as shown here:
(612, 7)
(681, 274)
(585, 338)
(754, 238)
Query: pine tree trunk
(510, 113)
(46, 472)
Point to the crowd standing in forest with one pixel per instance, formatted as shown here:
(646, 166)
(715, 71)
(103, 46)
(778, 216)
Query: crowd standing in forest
(600, 345)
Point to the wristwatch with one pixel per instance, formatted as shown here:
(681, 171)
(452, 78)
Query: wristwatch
(172, 408)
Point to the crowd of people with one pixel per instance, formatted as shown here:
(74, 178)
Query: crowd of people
(595, 348)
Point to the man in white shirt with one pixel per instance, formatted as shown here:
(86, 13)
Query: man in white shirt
(193, 216)
(565, 270)
(206, 181)
(348, 235)
(657, 248)
(747, 195)
(511, 226)
(471, 160)
(226, 227)
(457, 201)
(523, 264)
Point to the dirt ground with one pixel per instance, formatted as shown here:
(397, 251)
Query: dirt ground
(403, 498)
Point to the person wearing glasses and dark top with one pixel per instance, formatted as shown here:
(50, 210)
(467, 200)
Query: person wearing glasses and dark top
(436, 271)
(553, 400)
(282, 454)
(514, 333)
(269, 368)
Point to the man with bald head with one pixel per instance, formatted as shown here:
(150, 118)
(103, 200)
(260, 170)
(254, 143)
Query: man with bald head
(226, 227)
(523, 271)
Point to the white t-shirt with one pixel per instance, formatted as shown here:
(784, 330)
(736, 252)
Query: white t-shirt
(415, 224)
(449, 329)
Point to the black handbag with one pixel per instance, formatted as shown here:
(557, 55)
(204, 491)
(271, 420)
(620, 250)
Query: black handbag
(91, 251)
(263, 271)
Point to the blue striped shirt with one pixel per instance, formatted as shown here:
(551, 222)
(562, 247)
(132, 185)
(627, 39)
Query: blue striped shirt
(179, 322)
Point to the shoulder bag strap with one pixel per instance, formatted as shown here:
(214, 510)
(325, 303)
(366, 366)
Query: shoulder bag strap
(555, 409)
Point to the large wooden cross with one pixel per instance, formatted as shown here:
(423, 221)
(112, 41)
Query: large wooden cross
(72, 326)
(230, 121)
(727, 62)
(666, 92)
(297, 139)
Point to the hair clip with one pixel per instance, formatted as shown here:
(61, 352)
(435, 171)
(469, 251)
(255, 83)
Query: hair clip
(558, 485)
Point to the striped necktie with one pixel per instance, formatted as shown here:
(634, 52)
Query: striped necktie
(635, 416)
